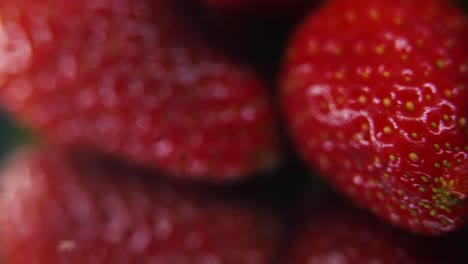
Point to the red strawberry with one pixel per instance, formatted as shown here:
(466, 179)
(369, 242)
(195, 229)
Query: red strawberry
(375, 95)
(340, 234)
(55, 210)
(137, 79)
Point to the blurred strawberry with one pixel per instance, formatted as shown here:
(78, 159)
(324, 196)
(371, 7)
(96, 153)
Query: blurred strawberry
(137, 79)
(59, 210)
(336, 233)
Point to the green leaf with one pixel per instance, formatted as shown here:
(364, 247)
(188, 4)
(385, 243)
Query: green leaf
(11, 135)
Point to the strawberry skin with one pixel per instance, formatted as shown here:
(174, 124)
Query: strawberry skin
(375, 96)
(342, 234)
(58, 210)
(136, 79)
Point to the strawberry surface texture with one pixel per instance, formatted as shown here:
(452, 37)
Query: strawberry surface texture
(58, 210)
(141, 80)
(375, 97)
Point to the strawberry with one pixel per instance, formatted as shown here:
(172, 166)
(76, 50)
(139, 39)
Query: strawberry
(59, 210)
(375, 97)
(342, 234)
(136, 79)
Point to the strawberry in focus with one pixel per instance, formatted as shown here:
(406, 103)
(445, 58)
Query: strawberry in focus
(137, 79)
(342, 234)
(375, 97)
(59, 210)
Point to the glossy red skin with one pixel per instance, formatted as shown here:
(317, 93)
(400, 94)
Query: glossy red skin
(341, 234)
(138, 79)
(376, 99)
(55, 210)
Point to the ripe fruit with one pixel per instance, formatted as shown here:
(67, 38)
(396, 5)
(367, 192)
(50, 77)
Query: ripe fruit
(58, 210)
(137, 79)
(341, 234)
(375, 95)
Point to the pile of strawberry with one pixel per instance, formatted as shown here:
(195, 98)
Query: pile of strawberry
(191, 131)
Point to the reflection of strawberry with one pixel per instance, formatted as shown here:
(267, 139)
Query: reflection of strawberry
(340, 234)
(55, 210)
(137, 79)
(377, 100)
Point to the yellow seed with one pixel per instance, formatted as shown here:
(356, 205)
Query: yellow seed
(437, 146)
(447, 93)
(446, 117)
(422, 189)
(440, 64)
(374, 15)
(409, 106)
(392, 157)
(339, 75)
(387, 130)
(462, 122)
(433, 125)
(433, 212)
(424, 179)
(379, 50)
(413, 157)
(387, 102)
(437, 165)
(445, 163)
(451, 183)
(362, 99)
(414, 135)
